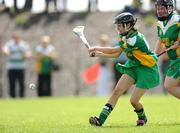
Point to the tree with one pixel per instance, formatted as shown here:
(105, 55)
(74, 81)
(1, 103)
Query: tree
(15, 7)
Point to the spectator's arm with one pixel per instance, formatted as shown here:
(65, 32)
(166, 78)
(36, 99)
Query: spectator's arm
(27, 52)
(28, 55)
(6, 50)
(53, 54)
(38, 51)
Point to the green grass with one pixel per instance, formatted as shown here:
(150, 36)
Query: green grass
(70, 115)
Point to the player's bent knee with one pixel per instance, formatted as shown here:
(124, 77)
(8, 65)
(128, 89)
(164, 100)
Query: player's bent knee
(133, 102)
(168, 87)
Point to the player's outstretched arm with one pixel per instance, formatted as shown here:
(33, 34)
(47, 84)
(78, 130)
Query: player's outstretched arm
(93, 52)
(113, 55)
(106, 50)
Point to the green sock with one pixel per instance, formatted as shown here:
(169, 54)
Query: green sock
(141, 114)
(105, 113)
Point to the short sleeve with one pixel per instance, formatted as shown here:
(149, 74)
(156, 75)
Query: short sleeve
(121, 44)
(38, 49)
(26, 47)
(8, 44)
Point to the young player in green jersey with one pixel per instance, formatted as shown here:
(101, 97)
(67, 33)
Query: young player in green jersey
(168, 29)
(140, 69)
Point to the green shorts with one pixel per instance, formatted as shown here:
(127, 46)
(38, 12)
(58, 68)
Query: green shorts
(145, 77)
(174, 69)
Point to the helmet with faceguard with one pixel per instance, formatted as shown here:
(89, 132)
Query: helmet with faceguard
(125, 19)
(164, 9)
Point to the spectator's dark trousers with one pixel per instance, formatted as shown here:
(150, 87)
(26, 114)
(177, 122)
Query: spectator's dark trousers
(16, 75)
(44, 85)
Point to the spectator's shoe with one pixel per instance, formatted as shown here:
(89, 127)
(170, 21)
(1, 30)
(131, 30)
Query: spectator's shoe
(141, 122)
(94, 121)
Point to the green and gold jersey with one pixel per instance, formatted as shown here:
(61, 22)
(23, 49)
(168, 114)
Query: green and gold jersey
(137, 50)
(43, 65)
(168, 33)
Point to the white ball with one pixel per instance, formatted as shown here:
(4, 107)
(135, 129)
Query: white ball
(32, 86)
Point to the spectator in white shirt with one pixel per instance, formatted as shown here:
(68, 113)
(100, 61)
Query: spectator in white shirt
(17, 51)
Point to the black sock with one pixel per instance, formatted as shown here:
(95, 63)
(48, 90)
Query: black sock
(141, 114)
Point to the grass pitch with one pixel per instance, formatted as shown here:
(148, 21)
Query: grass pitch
(71, 114)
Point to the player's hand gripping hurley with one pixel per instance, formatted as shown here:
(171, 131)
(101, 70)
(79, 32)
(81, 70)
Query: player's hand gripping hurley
(79, 31)
(167, 50)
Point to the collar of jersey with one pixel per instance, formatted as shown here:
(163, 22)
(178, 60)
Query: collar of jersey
(169, 18)
(132, 34)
